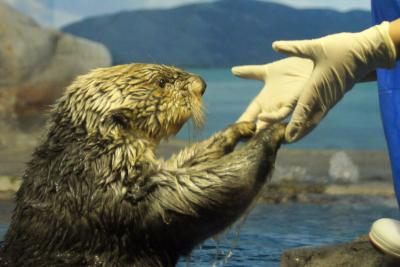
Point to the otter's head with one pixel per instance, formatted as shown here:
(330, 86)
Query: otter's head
(146, 100)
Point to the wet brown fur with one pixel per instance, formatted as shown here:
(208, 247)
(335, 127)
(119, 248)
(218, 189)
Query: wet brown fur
(94, 193)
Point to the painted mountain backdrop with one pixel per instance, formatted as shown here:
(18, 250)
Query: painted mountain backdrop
(217, 34)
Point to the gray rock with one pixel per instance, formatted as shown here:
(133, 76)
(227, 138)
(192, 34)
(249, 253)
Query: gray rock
(353, 254)
(36, 64)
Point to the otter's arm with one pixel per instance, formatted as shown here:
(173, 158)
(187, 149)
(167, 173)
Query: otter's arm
(216, 146)
(194, 203)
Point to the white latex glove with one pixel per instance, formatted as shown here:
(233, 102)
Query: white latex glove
(283, 81)
(340, 60)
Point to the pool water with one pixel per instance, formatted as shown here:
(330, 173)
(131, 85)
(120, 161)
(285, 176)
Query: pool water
(271, 229)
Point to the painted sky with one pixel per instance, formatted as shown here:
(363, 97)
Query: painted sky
(56, 13)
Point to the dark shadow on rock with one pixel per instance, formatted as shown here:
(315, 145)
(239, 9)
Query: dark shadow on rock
(353, 254)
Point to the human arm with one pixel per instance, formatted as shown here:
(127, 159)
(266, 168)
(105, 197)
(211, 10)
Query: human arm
(394, 33)
(340, 61)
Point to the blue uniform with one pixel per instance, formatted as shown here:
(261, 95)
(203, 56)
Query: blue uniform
(389, 92)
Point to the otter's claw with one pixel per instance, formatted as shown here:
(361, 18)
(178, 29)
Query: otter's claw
(235, 132)
(240, 130)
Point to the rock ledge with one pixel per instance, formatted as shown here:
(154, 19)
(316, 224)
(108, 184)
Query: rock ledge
(353, 254)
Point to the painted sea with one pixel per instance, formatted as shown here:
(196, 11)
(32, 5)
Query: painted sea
(270, 229)
(354, 123)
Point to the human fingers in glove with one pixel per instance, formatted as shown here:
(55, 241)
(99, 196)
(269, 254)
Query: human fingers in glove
(339, 61)
(283, 81)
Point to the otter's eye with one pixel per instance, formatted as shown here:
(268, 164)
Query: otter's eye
(162, 83)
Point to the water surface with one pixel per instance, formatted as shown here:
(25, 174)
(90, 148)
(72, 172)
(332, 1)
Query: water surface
(270, 229)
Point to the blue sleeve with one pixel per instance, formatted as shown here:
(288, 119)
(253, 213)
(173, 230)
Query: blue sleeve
(389, 92)
(387, 10)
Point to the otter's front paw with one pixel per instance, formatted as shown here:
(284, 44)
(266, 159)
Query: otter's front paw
(235, 132)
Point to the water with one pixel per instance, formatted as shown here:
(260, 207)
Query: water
(354, 123)
(271, 229)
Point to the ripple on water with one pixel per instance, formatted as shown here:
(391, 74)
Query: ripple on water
(270, 229)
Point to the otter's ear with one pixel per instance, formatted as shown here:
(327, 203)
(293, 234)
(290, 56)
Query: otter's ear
(119, 117)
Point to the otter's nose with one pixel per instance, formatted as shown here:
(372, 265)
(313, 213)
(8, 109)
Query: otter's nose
(197, 85)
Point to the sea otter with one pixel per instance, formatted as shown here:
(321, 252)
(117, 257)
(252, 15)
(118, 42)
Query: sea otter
(94, 193)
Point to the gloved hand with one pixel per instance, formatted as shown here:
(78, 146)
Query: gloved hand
(340, 60)
(283, 81)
